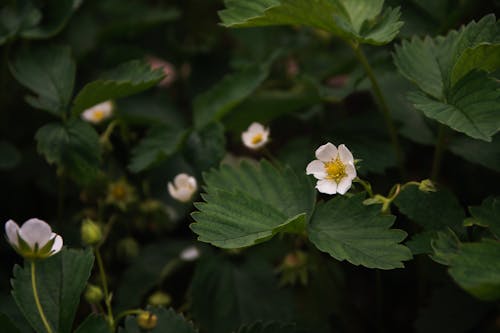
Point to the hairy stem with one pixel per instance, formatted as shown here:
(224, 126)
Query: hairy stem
(37, 299)
(381, 102)
(104, 282)
(439, 151)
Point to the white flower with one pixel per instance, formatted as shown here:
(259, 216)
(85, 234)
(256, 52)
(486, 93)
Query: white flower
(256, 136)
(190, 253)
(34, 239)
(183, 188)
(334, 169)
(98, 113)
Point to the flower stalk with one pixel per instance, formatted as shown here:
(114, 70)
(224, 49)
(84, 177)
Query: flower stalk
(37, 299)
(104, 281)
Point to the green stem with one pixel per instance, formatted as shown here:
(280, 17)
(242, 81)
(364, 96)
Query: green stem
(37, 300)
(439, 151)
(104, 282)
(381, 102)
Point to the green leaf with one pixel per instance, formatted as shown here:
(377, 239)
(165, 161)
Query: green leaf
(168, 322)
(60, 281)
(249, 204)
(228, 293)
(213, 104)
(207, 147)
(269, 327)
(471, 107)
(474, 266)
(421, 242)
(10, 157)
(16, 17)
(49, 72)
(358, 20)
(94, 324)
(479, 152)
(127, 79)
(7, 325)
(56, 13)
(488, 214)
(160, 143)
(484, 57)
(431, 210)
(348, 230)
(73, 146)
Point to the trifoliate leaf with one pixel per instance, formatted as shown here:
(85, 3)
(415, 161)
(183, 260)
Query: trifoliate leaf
(73, 146)
(357, 20)
(249, 204)
(49, 72)
(160, 143)
(270, 327)
(348, 230)
(431, 210)
(60, 280)
(168, 322)
(474, 266)
(94, 324)
(213, 104)
(471, 106)
(487, 215)
(127, 79)
(228, 293)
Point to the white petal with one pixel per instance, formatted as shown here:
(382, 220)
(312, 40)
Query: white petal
(256, 128)
(326, 186)
(344, 185)
(345, 154)
(316, 168)
(181, 180)
(192, 183)
(57, 246)
(183, 194)
(35, 231)
(246, 137)
(190, 253)
(326, 152)
(171, 189)
(11, 229)
(350, 169)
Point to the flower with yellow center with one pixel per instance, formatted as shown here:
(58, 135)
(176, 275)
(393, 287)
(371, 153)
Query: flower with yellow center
(334, 169)
(98, 113)
(183, 188)
(256, 136)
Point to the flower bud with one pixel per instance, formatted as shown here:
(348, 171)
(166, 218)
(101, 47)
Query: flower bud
(91, 232)
(93, 294)
(147, 320)
(127, 248)
(427, 185)
(159, 298)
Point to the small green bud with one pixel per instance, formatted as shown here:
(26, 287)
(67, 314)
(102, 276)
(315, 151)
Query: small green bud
(127, 248)
(91, 232)
(147, 320)
(159, 298)
(93, 294)
(427, 185)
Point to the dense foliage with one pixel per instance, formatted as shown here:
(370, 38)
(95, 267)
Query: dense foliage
(173, 147)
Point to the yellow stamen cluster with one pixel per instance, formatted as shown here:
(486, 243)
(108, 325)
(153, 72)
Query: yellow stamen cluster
(98, 115)
(335, 170)
(257, 138)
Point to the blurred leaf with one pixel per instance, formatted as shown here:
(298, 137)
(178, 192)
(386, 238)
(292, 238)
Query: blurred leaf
(421, 242)
(168, 322)
(249, 204)
(7, 325)
(269, 327)
(9, 156)
(147, 109)
(487, 215)
(474, 266)
(205, 148)
(56, 13)
(49, 72)
(60, 281)
(226, 294)
(16, 17)
(431, 210)
(160, 143)
(349, 230)
(94, 324)
(213, 104)
(358, 20)
(471, 106)
(73, 146)
(127, 79)
(479, 152)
